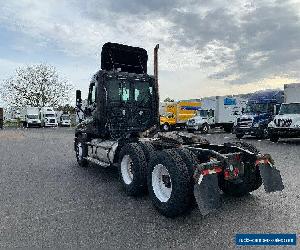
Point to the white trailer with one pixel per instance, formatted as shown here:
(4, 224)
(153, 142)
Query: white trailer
(228, 109)
(30, 116)
(292, 92)
(48, 117)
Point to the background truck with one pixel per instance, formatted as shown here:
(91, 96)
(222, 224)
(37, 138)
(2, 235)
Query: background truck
(120, 129)
(64, 120)
(48, 117)
(287, 123)
(260, 110)
(177, 113)
(1, 118)
(30, 117)
(217, 112)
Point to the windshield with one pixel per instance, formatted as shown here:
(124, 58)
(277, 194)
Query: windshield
(202, 113)
(49, 115)
(291, 108)
(168, 115)
(65, 117)
(32, 116)
(126, 90)
(259, 108)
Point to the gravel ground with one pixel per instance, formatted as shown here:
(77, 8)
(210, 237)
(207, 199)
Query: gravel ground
(46, 200)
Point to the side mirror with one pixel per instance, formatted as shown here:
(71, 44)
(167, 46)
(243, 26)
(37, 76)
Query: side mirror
(78, 98)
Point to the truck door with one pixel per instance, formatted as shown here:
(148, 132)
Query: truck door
(119, 104)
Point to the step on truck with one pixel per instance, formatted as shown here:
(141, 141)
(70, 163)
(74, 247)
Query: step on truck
(177, 169)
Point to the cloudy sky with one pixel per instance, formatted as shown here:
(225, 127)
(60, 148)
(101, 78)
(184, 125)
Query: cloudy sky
(207, 47)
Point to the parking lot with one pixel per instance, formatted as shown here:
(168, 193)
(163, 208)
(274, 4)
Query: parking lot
(47, 200)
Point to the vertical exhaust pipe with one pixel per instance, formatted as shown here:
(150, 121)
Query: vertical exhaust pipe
(156, 78)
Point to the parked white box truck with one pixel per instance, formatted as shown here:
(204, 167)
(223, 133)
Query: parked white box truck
(48, 117)
(287, 123)
(219, 111)
(30, 117)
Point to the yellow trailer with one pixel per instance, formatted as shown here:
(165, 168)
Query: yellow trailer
(176, 114)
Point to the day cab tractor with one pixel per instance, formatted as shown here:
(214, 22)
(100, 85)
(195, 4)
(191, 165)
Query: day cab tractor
(120, 129)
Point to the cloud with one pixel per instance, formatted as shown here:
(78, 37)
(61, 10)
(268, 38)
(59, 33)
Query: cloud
(237, 41)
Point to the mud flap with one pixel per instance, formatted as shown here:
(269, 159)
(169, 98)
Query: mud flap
(207, 193)
(271, 178)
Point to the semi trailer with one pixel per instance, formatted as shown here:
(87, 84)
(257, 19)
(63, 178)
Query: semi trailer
(177, 169)
(287, 123)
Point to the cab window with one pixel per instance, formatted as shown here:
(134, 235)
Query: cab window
(93, 92)
(118, 90)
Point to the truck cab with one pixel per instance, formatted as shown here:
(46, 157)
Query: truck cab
(48, 117)
(287, 123)
(202, 121)
(122, 98)
(30, 117)
(65, 120)
(260, 110)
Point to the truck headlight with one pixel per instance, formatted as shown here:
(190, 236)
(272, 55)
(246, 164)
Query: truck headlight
(256, 125)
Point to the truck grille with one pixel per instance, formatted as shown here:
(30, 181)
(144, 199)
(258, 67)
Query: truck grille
(52, 120)
(283, 122)
(245, 123)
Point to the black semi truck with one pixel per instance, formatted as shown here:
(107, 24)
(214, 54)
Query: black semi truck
(120, 129)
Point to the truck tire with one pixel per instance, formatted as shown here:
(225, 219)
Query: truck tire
(262, 134)
(148, 149)
(205, 128)
(133, 169)
(274, 138)
(191, 162)
(189, 159)
(239, 135)
(169, 183)
(250, 181)
(165, 127)
(228, 128)
(81, 150)
(190, 130)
